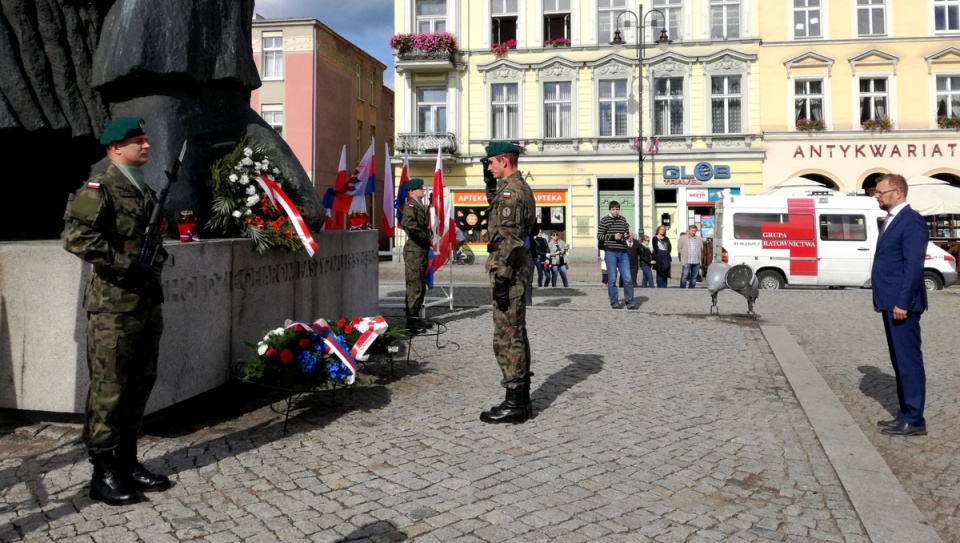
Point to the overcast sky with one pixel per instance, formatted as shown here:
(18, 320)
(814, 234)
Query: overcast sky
(368, 24)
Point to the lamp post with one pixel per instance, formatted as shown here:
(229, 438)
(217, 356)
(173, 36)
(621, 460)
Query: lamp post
(662, 42)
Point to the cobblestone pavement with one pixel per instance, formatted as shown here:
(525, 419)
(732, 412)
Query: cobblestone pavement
(661, 424)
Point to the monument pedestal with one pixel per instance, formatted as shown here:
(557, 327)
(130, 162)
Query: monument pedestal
(218, 295)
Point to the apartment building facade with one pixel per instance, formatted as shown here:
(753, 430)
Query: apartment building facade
(853, 89)
(572, 101)
(322, 92)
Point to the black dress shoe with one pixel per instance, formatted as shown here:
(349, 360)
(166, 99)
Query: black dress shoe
(904, 429)
(888, 423)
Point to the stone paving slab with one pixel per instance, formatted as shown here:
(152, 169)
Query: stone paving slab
(636, 439)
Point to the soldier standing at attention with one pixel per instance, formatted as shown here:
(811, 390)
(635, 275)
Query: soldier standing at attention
(512, 218)
(415, 249)
(105, 223)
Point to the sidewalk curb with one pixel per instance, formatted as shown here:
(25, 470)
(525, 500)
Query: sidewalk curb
(886, 511)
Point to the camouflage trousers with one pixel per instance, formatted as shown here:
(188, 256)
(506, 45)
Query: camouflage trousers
(122, 350)
(415, 272)
(510, 343)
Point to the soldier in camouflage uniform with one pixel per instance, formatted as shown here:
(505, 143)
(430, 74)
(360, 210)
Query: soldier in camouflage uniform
(511, 219)
(105, 222)
(416, 224)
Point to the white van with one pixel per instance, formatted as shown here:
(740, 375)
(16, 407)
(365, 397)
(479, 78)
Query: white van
(817, 240)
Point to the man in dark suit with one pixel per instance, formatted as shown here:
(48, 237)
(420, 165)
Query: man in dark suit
(900, 295)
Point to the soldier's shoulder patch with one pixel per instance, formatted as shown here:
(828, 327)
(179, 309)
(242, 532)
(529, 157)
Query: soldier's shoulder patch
(92, 184)
(506, 212)
(507, 195)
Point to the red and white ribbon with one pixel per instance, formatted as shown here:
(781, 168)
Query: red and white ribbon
(331, 345)
(280, 199)
(369, 329)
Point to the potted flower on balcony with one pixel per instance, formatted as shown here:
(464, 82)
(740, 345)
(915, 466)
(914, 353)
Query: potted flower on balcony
(557, 42)
(500, 49)
(949, 122)
(428, 45)
(808, 125)
(883, 124)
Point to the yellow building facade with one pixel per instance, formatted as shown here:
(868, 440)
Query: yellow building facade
(559, 89)
(854, 89)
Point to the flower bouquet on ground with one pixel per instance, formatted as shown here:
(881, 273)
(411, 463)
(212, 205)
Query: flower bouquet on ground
(306, 356)
(241, 204)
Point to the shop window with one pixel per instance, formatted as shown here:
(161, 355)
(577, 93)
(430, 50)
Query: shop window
(807, 19)
(504, 24)
(724, 19)
(431, 16)
(556, 19)
(870, 17)
(607, 13)
(612, 107)
(946, 15)
(843, 227)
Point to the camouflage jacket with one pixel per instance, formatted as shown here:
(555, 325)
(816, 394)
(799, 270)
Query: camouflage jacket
(512, 216)
(104, 224)
(416, 224)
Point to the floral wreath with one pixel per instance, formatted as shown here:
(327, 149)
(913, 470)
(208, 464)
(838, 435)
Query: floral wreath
(240, 205)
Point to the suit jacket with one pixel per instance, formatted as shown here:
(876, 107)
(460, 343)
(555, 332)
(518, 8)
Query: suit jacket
(897, 274)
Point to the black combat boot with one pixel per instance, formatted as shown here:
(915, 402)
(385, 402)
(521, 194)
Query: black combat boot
(527, 404)
(135, 473)
(107, 485)
(511, 410)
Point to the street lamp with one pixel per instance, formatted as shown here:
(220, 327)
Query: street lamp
(662, 42)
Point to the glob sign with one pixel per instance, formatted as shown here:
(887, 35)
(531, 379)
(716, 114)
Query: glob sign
(701, 173)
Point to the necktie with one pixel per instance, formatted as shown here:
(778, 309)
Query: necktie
(883, 227)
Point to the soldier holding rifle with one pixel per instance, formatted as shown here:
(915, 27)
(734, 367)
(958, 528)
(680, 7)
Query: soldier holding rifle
(108, 225)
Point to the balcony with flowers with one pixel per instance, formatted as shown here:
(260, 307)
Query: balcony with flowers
(427, 52)
(426, 143)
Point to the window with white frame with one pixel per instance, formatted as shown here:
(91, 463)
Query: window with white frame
(273, 114)
(673, 11)
(607, 13)
(870, 17)
(946, 15)
(807, 18)
(724, 19)
(431, 16)
(505, 110)
(873, 99)
(726, 104)
(948, 96)
(612, 107)
(808, 99)
(431, 109)
(504, 23)
(557, 109)
(556, 19)
(273, 56)
(668, 105)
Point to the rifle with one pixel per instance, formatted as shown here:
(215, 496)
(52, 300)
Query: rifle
(152, 252)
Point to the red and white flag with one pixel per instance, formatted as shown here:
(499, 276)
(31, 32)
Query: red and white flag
(389, 210)
(363, 181)
(341, 181)
(441, 215)
(653, 146)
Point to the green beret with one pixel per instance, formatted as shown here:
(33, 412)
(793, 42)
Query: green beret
(122, 128)
(413, 184)
(500, 147)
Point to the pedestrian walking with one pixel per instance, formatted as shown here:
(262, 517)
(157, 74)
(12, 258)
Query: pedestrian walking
(511, 218)
(690, 250)
(900, 296)
(415, 251)
(105, 223)
(611, 234)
